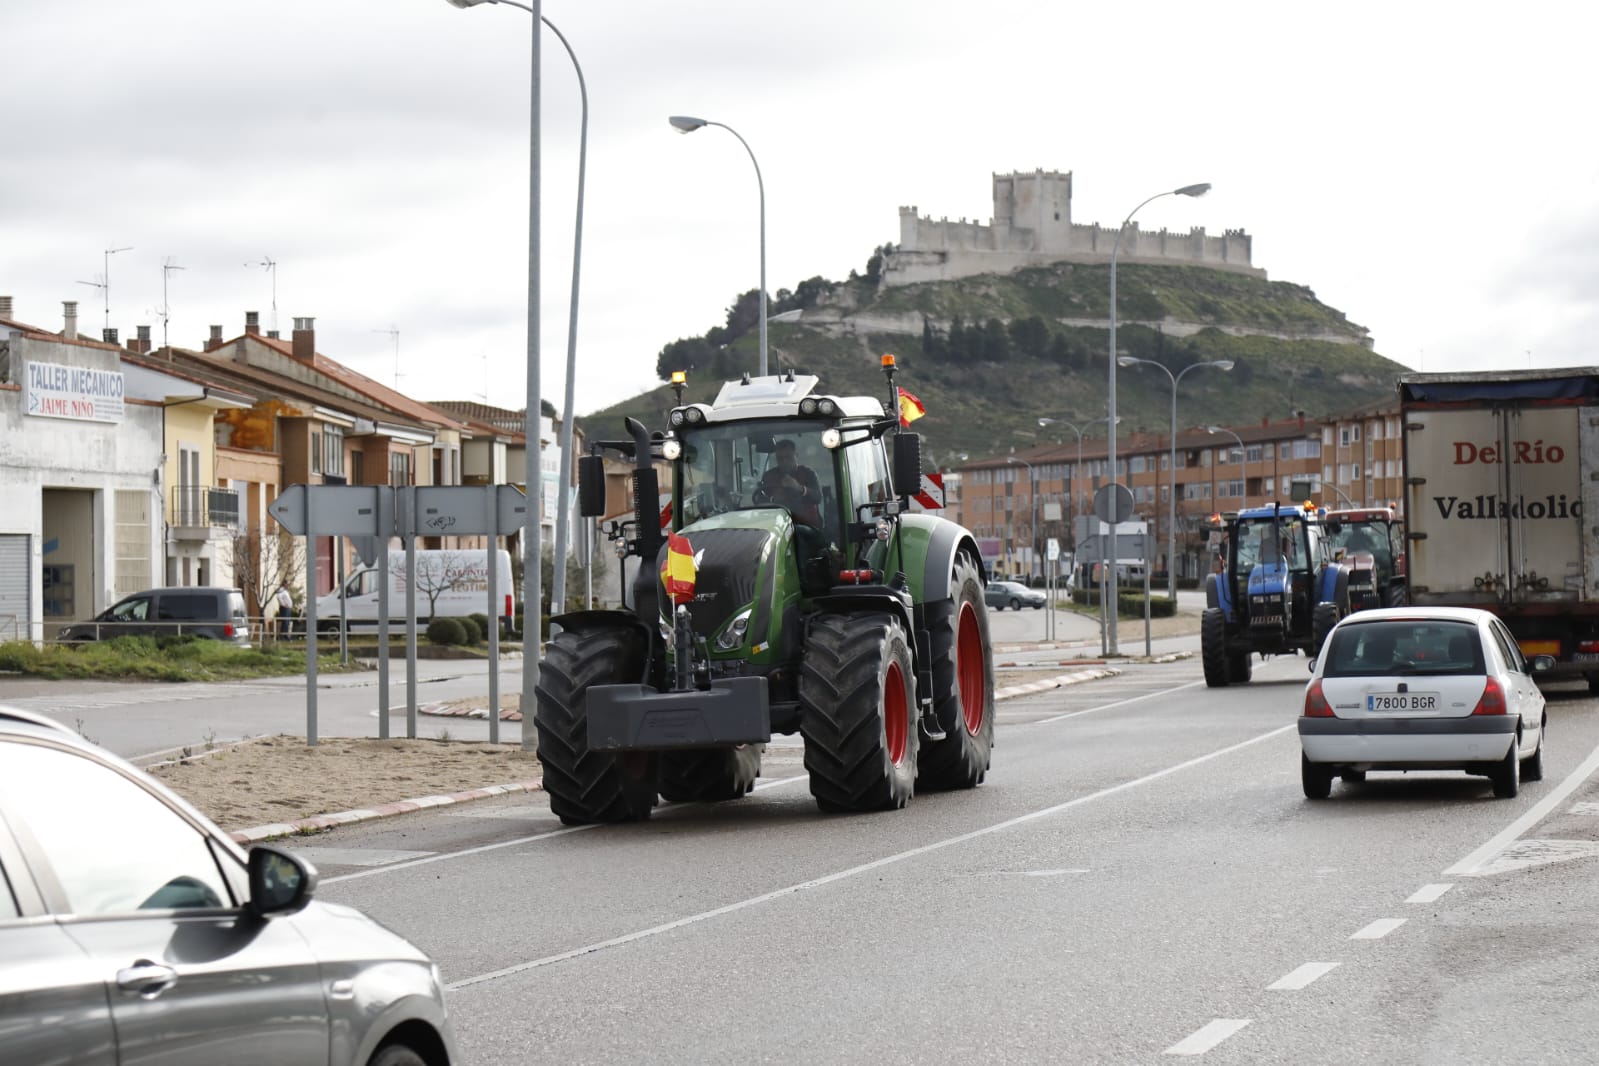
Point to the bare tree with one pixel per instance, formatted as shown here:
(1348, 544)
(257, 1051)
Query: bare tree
(441, 572)
(265, 561)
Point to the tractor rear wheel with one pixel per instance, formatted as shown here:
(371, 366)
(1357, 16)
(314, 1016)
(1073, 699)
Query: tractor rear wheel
(708, 775)
(1240, 667)
(1213, 647)
(1321, 623)
(857, 695)
(587, 786)
(963, 685)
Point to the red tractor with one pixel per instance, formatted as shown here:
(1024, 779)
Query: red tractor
(1371, 543)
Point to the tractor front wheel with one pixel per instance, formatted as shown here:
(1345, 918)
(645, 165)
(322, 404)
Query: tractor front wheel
(586, 786)
(857, 695)
(1321, 623)
(963, 685)
(709, 775)
(1213, 647)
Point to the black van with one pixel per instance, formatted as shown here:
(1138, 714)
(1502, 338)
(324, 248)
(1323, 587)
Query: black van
(209, 613)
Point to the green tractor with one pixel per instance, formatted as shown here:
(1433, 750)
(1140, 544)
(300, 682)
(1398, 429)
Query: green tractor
(789, 589)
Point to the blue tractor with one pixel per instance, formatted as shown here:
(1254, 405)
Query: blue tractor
(1277, 591)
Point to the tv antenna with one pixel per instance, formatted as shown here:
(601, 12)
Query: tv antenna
(167, 267)
(103, 282)
(270, 265)
(394, 331)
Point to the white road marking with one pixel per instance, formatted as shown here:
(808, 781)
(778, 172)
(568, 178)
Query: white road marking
(840, 875)
(1301, 977)
(1468, 867)
(1428, 893)
(1118, 703)
(1379, 929)
(1584, 808)
(1537, 852)
(1208, 1037)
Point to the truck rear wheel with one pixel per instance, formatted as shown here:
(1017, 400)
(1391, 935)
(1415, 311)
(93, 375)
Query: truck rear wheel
(709, 775)
(963, 685)
(587, 786)
(857, 695)
(1213, 647)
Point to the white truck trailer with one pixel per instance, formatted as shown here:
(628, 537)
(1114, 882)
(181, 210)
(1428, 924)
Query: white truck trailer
(1500, 472)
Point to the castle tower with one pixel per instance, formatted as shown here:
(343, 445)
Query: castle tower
(1033, 212)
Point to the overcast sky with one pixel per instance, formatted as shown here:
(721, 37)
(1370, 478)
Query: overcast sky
(1434, 176)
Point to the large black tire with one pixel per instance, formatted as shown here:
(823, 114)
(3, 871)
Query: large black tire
(1240, 667)
(1321, 623)
(709, 775)
(858, 712)
(1506, 773)
(1399, 595)
(396, 1055)
(586, 786)
(963, 685)
(1213, 647)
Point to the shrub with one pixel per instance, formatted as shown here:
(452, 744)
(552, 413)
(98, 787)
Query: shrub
(482, 621)
(1129, 604)
(446, 631)
(469, 628)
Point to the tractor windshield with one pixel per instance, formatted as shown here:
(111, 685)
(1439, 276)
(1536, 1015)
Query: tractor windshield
(1367, 537)
(744, 465)
(1278, 541)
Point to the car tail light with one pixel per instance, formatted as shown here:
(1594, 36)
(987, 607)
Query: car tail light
(1316, 705)
(1588, 645)
(227, 630)
(508, 612)
(1493, 698)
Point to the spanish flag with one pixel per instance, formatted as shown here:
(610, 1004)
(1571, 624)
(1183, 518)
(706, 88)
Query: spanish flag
(677, 569)
(910, 408)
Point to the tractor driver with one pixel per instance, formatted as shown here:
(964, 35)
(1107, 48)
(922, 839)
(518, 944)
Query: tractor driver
(793, 486)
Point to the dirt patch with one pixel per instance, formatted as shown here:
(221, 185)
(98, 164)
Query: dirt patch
(281, 779)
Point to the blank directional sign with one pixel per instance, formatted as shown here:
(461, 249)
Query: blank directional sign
(289, 509)
(335, 510)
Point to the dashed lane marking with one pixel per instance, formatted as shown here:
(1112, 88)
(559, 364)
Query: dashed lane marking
(1428, 893)
(1379, 929)
(1301, 977)
(1202, 1041)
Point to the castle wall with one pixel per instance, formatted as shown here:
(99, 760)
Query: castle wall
(1032, 226)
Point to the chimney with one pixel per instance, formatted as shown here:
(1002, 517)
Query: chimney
(304, 338)
(1265, 420)
(216, 339)
(1301, 420)
(5, 307)
(252, 323)
(109, 335)
(69, 313)
(272, 335)
(141, 343)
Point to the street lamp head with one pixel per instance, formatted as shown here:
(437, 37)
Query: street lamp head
(1194, 190)
(471, 3)
(1213, 429)
(1223, 364)
(1128, 360)
(681, 123)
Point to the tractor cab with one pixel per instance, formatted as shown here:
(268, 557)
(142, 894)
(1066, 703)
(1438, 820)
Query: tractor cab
(1370, 542)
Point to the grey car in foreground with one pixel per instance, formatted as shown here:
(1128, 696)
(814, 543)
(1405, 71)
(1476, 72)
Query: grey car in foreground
(133, 932)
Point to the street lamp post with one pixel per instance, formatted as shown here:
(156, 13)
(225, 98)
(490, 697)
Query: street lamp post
(532, 547)
(1171, 521)
(1243, 471)
(1032, 496)
(688, 124)
(1187, 190)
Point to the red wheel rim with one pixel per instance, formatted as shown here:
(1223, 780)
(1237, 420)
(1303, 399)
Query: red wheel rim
(969, 670)
(896, 714)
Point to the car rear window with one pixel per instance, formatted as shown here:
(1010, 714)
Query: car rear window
(191, 606)
(236, 605)
(1404, 647)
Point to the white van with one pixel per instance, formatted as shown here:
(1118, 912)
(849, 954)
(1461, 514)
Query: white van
(449, 584)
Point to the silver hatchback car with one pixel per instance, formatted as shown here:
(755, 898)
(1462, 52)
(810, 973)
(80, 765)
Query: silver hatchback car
(133, 931)
(1422, 688)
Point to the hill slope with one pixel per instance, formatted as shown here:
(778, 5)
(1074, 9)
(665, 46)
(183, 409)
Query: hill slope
(988, 356)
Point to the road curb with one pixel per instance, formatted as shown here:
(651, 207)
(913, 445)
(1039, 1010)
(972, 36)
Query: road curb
(315, 824)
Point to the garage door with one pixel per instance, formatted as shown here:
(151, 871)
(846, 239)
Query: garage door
(15, 581)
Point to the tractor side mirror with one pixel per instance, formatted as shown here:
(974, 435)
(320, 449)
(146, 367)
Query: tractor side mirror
(591, 486)
(907, 463)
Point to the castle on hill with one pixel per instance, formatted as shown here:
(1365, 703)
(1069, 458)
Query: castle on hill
(1032, 226)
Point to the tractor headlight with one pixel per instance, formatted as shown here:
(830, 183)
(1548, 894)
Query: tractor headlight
(694, 414)
(732, 638)
(827, 407)
(808, 406)
(671, 448)
(676, 417)
(831, 439)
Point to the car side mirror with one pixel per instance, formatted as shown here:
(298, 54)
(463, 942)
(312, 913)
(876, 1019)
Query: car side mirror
(280, 882)
(1539, 664)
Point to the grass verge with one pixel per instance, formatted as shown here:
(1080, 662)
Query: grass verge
(156, 659)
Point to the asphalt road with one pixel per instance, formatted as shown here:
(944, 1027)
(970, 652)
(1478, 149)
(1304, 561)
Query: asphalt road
(1140, 875)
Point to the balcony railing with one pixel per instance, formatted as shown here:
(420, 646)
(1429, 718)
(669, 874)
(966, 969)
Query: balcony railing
(203, 507)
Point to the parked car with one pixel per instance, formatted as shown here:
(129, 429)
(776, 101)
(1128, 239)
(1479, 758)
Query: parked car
(134, 930)
(1013, 594)
(208, 612)
(1417, 688)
